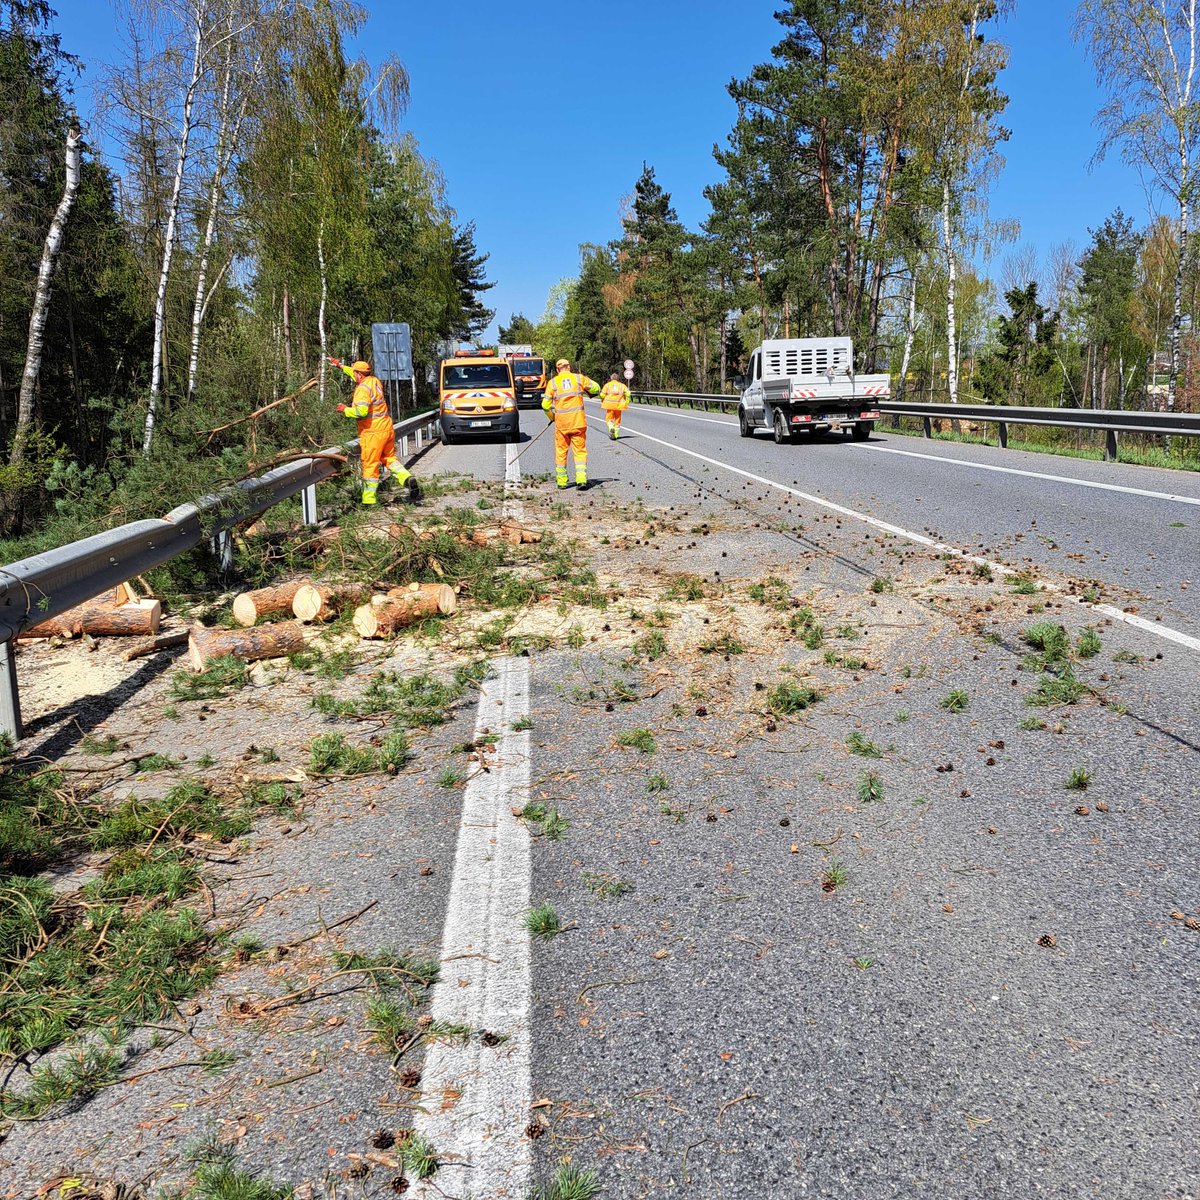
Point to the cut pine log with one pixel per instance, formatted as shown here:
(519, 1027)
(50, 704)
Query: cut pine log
(249, 606)
(249, 645)
(139, 619)
(508, 530)
(321, 602)
(402, 606)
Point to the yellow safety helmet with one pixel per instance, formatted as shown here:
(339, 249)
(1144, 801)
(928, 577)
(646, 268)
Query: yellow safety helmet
(563, 364)
(360, 367)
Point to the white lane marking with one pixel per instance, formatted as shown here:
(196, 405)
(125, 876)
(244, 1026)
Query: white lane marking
(976, 466)
(485, 974)
(512, 507)
(1157, 628)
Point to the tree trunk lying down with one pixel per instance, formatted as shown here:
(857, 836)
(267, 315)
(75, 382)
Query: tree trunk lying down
(384, 614)
(321, 602)
(139, 619)
(249, 645)
(249, 606)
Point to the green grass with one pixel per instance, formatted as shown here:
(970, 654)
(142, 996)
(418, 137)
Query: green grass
(814, 636)
(857, 744)
(450, 777)
(882, 584)
(981, 570)
(216, 1176)
(834, 876)
(869, 788)
(638, 739)
(1061, 688)
(788, 697)
(1032, 723)
(723, 643)
(569, 1183)
(607, 887)
(543, 921)
(1078, 780)
(522, 723)
(222, 676)
(1088, 644)
(685, 587)
(848, 662)
(1050, 640)
(902, 715)
(106, 745)
(1023, 585)
(331, 754)
(864, 964)
(652, 644)
(1127, 656)
(955, 701)
(657, 782)
(773, 592)
(155, 762)
(410, 701)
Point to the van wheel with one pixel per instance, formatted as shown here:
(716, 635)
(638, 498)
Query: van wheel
(782, 434)
(862, 430)
(447, 437)
(744, 426)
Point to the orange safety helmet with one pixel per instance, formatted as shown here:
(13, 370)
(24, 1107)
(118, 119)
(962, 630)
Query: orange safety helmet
(563, 364)
(361, 368)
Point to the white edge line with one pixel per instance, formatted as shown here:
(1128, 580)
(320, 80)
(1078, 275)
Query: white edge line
(475, 1098)
(1157, 628)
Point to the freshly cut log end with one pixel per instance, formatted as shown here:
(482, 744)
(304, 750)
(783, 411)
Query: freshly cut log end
(315, 602)
(139, 619)
(385, 614)
(249, 645)
(249, 606)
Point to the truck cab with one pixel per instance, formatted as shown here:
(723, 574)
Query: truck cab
(809, 384)
(529, 377)
(477, 396)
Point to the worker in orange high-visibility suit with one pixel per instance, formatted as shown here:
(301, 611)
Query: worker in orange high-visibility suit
(376, 434)
(614, 399)
(563, 405)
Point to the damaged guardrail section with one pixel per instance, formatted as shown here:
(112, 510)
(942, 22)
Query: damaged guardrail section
(43, 586)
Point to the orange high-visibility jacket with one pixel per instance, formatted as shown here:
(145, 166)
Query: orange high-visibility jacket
(564, 399)
(614, 397)
(369, 407)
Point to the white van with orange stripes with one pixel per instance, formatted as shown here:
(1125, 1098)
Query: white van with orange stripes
(477, 396)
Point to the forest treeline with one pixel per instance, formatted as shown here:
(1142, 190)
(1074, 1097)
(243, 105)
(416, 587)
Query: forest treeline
(852, 198)
(257, 207)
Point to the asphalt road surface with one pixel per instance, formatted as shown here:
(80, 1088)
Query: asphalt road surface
(845, 913)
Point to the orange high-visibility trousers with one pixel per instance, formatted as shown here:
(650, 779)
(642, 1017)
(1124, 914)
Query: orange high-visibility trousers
(574, 440)
(376, 446)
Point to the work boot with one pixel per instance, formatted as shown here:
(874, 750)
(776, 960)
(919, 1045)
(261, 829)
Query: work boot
(612, 429)
(560, 477)
(581, 480)
(369, 493)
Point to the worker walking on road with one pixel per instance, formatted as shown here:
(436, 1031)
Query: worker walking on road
(376, 434)
(614, 399)
(564, 406)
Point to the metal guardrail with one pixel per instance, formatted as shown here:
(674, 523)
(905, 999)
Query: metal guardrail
(45, 585)
(1111, 422)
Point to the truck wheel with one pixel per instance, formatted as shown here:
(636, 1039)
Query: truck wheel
(782, 435)
(447, 436)
(744, 426)
(862, 430)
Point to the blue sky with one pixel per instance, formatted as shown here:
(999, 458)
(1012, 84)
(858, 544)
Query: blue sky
(541, 114)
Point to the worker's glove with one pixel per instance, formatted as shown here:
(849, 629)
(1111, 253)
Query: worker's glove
(341, 408)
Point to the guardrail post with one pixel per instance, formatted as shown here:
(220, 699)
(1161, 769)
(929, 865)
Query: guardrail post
(417, 438)
(1002, 427)
(895, 422)
(928, 423)
(1110, 445)
(222, 546)
(308, 505)
(404, 447)
(10, 695)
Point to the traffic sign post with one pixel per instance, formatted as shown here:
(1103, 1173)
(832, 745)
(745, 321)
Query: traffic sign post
(391, 347)
(629, 368)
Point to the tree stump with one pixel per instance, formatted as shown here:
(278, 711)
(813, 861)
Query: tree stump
(249, 606)
(402, 606)
(321, 602)
(249, 645)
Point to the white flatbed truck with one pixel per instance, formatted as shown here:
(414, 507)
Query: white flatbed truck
(809, 384)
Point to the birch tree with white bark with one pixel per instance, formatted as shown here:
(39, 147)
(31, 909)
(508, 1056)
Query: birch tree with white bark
(41, 297)
(1145, 55)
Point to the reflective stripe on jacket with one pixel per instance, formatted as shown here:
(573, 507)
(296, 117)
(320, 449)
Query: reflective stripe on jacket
(368, 405)
(615, 395)
(566, 391)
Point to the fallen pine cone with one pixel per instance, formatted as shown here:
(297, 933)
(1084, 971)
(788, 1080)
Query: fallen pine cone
(1048, 940)
(1101, 806)
(1082, 810)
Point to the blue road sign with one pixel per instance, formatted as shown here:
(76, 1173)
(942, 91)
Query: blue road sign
(392, 349)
